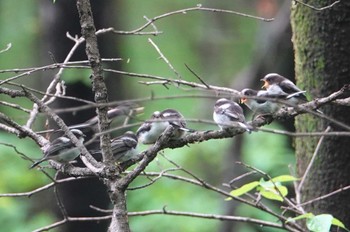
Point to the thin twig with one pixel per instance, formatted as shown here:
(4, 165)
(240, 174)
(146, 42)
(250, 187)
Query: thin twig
(40, 189)
(264, 174)
(8, 47)
(152, 181)
(53, 84)
(94, 166)
(165, 59)
(14, 106)
(325, 196)
(315, 8)
(209, 216)
(138, 31)
(242, 176)
(58, 200)
(198, 77)
(314, 155)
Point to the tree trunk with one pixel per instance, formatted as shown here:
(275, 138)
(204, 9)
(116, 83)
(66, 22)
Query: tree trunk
(120, 221)
(322, 66)
(60, 18)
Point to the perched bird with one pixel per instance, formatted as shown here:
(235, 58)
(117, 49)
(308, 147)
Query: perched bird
(259, 106)
(118, 112)
(277, 85)
(151, 130)
(62, 149)
(124, 147)
(228, 114)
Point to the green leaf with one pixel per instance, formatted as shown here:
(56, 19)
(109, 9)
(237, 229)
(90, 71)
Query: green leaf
(303, 216)
(337, 222)
(284, 178)
(267, 184)
(272, 191)
(282, 190)
(273, 194)
(244, 189)
(320, 223)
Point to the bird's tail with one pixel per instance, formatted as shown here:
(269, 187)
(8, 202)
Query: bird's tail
(36, 163)
(245, 126)
(295, 94)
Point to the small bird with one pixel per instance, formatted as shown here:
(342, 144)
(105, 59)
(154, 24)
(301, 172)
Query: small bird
(62, 149)
(259, 106)
(124, 147)
(278, 85)
(228, 114)
(151, 130)
(118, 112)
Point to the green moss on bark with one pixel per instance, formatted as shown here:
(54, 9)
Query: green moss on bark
(322, 47)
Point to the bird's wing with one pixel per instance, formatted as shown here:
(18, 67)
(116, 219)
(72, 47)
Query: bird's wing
(263, 93)
(119, 147)
(144, 127)
(129, 142)
(231, 114)
(180, 123)
(296, 94)
(57, 145)
(289, 87)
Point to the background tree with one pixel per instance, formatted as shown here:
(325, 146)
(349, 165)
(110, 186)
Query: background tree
(322, 48)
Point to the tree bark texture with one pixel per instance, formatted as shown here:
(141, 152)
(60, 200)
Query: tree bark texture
(88, 30)
(322, 65)
(120, 221)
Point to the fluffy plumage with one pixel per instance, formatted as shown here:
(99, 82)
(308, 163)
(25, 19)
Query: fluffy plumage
(278, 85)
(259, 106)
(228, 114)
(150, 130)
(124, 147)
(62, 149)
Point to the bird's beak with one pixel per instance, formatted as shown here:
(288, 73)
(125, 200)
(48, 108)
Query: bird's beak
(266, 84)
(242, 100)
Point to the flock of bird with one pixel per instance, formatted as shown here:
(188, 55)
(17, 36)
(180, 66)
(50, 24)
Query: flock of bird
(227, 115)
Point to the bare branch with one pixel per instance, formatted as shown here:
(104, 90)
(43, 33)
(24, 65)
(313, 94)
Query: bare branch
(148, 156)
(264, 174)
(14, 106)
(198, 77)
(315, 8)
(8, 47)
(304, 134)
(201, 183)
(326, 195)
(210, 216)
(58, 200)
(154, 179)
(165, 59)
(23, 131)
(51, 87)
(40, 189)
(53, 225)
(177, 82)
(199, 7)
(98, 167)
(297, 191)
(98, 83)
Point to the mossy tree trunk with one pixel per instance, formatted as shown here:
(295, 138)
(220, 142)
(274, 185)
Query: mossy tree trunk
(322, 65)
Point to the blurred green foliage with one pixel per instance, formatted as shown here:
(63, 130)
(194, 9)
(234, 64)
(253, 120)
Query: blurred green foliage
(217, 46)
